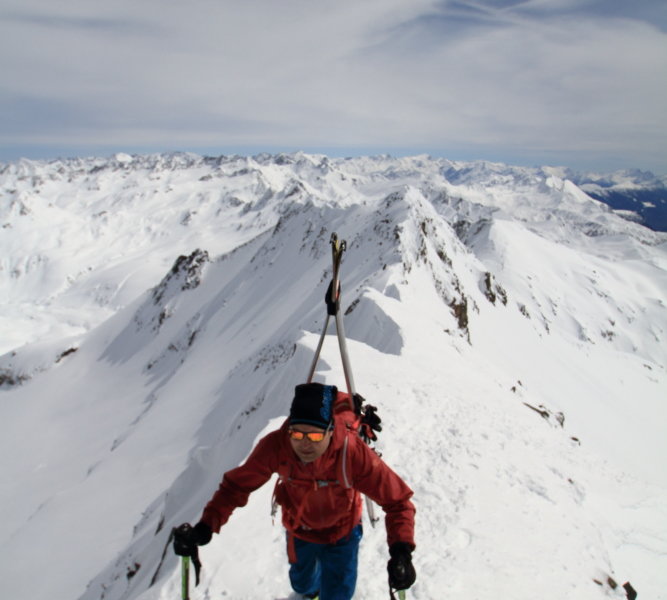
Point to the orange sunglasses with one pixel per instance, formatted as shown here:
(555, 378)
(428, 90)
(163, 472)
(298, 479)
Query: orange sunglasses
(313, 436)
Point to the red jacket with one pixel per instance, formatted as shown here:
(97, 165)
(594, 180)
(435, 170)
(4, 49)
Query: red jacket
(321, 500)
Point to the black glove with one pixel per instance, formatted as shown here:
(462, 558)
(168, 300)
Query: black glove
(370, 423)
(187, 538)
(401, 571)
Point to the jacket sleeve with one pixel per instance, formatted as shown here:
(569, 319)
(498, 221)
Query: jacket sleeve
(372, 477)
(239, 483)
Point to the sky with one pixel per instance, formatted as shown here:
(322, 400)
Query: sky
(578, 83)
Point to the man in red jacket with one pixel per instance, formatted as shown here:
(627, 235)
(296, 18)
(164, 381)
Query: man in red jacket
(323, 468)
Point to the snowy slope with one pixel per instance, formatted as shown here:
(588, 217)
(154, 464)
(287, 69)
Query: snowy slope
(160, 309)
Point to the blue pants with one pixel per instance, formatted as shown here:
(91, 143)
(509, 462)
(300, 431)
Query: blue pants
(330, 569)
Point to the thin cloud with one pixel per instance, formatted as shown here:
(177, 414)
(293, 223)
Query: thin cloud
(68, 23)
(538, 78)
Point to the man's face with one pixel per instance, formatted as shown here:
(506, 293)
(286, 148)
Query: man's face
(306, 449)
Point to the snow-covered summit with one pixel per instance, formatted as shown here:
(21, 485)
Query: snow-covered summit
(78, 230)
(158, 311)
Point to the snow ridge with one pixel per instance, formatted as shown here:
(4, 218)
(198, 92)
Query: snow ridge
(510, 329)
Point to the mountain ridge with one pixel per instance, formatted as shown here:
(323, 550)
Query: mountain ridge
(165, 199)
(512, 335)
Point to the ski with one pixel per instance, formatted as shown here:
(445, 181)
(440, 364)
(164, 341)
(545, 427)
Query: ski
(334, 305)
(332, 300)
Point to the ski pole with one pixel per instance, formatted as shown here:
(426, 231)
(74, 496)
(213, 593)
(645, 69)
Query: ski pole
(392, 596)
(185, 578)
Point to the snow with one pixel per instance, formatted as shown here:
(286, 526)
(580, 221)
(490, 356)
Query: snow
(510, 330)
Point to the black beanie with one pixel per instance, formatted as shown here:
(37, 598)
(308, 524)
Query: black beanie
(313, 405)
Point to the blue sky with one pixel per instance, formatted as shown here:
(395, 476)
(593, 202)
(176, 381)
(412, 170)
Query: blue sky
(580, 83)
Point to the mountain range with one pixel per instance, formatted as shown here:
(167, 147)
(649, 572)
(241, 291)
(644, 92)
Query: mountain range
(158, 310)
